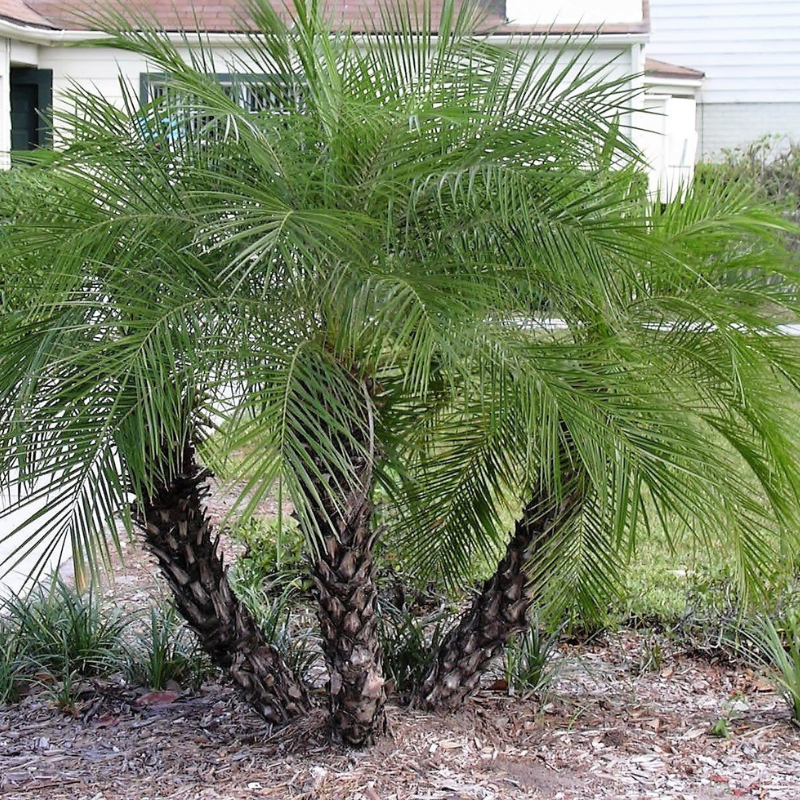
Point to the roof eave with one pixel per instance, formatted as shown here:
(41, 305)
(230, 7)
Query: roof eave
(11, 26)
(663, 81)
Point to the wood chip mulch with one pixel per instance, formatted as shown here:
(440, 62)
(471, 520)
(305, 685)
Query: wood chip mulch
(607, 729)
(605, 732)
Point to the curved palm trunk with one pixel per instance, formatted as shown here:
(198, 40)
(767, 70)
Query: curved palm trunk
(343, 571)
(178, 532)
(501, 609)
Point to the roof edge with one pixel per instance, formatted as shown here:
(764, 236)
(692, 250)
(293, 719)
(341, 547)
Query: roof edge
(32, 19)
(494, 23)
(662, 69)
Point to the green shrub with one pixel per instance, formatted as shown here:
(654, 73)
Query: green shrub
(271, 579)
(274, 555)
(771, 165)
(653, 653)
(166, 651)
(61, 630)
(529, 659)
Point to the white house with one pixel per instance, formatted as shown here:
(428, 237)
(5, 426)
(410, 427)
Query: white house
(41, 54)
(750, 54)
(44, 49)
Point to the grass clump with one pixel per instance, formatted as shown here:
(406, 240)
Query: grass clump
(271, 579)
(60, 630)
(409, 642)
(165, 652)
(285, 624)
(779, 648)
(11, 667)
(529, 659)
(57, 637)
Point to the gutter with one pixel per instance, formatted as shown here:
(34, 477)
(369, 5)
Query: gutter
(55, 37)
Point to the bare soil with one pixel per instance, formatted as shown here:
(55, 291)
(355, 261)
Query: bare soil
(607, 729)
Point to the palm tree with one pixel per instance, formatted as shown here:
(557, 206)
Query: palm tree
(90, 418)
(666, 398)
(347, 277)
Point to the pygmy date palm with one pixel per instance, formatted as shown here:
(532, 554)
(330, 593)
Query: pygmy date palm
(657, 391)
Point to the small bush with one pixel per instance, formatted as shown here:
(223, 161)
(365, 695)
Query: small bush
(66, 693)
(61, 630)
(273, 557)
(19, 277)
(166, 651)
(652, 656)
(529, 659)
(771, 166)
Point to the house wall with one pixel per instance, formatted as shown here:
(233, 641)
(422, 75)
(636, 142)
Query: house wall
(108, 71)
(750, 53)
(574, 12)
(721, 125)
(35, 557)
(104, 70)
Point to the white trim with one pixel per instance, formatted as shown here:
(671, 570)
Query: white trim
(600, 39)
(56, 37)
(668, 83)
(5, 103)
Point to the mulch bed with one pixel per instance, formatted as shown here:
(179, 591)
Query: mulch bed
(606, 732)
(607, 729)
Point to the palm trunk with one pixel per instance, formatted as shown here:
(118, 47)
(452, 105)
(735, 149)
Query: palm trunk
(179, 534)
(501, 608)
(343, 571)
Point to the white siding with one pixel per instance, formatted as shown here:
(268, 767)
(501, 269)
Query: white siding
(573, 12)
(102, 69)
(19, 543)
(750, 51)
(618, 60)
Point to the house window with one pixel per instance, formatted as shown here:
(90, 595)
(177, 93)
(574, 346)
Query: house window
(258, 94)
(255, 93)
